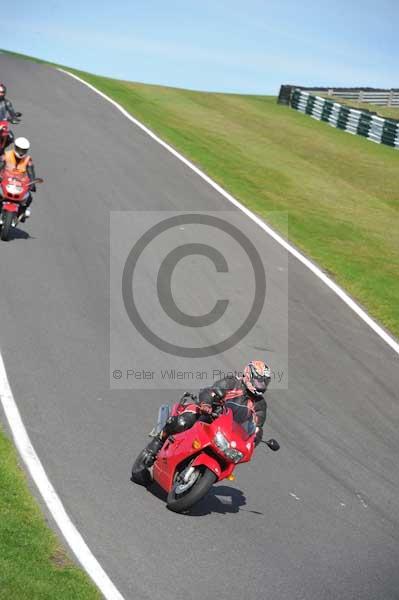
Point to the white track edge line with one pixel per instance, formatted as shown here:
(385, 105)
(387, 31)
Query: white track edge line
(280, 240)
(48, 493)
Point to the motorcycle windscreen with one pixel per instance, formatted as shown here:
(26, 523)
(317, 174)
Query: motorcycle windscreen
(242, 416)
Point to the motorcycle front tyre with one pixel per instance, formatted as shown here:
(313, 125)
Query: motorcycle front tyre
(182, 502)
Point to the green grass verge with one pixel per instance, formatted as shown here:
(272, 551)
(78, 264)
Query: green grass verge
(340, 192)
(33, 565)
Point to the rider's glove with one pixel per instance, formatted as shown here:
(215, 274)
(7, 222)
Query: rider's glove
(205, 408)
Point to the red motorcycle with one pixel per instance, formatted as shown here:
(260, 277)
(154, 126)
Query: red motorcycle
(5, 132)
(15, 188)
(190, 462)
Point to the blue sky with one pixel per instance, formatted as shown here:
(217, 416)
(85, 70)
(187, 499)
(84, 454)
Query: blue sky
(238, 46)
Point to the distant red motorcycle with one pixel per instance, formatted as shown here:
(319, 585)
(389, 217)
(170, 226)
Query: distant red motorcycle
(15, 188)
(5, 132)
(192, 461)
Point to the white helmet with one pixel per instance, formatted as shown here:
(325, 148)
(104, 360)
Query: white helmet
(21, 147)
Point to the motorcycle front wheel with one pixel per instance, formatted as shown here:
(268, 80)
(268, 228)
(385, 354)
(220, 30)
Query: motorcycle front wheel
(184, 495)
(8, 218)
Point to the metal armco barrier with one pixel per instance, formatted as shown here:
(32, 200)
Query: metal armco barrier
(383, 97)
(357, 122)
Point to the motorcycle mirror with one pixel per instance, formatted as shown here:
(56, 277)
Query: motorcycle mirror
(34, 181)
(273, 445)
(18, 114)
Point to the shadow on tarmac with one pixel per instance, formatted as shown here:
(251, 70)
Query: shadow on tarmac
(221, 499)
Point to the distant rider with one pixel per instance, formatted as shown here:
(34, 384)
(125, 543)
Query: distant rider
(248, 389)
(19, 159)
(7, 112)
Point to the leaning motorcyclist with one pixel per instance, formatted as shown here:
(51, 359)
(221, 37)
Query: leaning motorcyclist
(19, 159)
(7, 112)
(248, 389)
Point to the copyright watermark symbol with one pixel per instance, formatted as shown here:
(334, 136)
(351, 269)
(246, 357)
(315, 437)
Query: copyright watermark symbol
(164, 285)
(188, 292)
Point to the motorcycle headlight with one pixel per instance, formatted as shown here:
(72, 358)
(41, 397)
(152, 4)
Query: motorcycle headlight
(223, 444)
(221, 441)
(13, 189)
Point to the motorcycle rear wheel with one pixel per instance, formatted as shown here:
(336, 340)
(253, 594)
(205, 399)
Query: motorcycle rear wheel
(7, 226)
(140, 474)
(182, 502)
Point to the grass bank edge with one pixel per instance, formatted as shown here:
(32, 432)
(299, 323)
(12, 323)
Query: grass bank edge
(33, 563)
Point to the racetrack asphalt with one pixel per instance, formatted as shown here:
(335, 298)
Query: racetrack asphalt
(320, 518)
